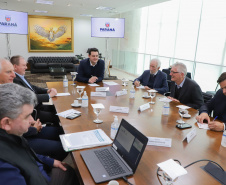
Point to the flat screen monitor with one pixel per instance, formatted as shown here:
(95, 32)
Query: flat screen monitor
(13, 22)
(108, 27)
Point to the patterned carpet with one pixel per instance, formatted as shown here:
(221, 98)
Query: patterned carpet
(40, 79)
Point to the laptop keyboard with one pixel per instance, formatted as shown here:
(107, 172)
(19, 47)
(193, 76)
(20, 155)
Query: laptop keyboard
(110, 164)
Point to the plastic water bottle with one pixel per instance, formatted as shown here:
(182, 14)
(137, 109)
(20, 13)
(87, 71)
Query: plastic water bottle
(85, 100)
(114, 127)
(223, 140)
(65, 81)
(132, 92)
(165, 109)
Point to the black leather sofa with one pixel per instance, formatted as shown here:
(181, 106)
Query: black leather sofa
(42, 64)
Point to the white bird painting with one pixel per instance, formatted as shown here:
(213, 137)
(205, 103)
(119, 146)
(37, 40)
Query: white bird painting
(50, 34)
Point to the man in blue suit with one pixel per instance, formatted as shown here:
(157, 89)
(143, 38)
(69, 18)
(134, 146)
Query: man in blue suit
(153, 78)
(91, 70)
(218, 105)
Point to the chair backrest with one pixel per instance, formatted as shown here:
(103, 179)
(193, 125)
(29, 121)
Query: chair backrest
(206, 97)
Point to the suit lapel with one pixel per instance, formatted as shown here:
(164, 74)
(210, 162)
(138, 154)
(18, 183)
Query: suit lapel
(25, 83)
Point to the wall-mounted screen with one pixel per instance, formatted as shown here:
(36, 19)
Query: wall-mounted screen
(13, 22)
(107, 27)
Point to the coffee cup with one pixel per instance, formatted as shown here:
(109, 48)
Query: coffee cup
(113, 182)
(76, 102)
(146, 94)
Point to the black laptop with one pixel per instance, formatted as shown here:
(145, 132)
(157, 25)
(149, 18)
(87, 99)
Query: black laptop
(119, 160)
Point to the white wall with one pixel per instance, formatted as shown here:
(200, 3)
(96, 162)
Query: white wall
(82, 41)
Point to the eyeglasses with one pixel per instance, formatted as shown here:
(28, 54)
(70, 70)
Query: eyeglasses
(174, 72)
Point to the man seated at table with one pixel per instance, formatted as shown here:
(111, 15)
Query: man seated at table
(18, 163)
(153, 78)
(218, 105)
(91, 70)
(6, 71)
(183, 89)
(46, 113)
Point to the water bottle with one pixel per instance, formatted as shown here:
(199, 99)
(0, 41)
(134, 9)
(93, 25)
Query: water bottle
(85, 100)
(114, 127)
(132, 92)
(223, 140)
(65, 81)
(165, 109)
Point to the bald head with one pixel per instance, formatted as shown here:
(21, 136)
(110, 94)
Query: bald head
(6, 71)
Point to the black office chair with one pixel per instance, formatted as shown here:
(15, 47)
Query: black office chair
(213, 92)
(206, 97)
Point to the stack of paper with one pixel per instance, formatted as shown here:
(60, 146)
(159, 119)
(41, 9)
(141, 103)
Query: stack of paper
(86, 139)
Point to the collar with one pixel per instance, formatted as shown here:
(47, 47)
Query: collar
(181, 84)
(92, 64)
(155, 73)
(21, 76)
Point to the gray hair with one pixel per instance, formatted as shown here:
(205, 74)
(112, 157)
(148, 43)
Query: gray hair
(180, 67)
(12, 99)
(156, 60)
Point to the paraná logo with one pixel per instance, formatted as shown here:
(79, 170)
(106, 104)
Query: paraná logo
(107, 24)
(7, 18)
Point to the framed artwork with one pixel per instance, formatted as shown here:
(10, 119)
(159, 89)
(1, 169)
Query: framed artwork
(50, 34)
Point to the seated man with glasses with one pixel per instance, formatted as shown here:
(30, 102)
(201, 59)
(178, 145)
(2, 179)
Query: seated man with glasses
(153, 78)
(184, 90)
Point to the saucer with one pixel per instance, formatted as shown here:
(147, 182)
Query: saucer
(146, 96)
(187, 116)
(73, 105)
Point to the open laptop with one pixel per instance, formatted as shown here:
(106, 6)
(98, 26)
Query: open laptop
(125, 152)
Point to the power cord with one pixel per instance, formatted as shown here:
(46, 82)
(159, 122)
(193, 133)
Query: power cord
(126, 180)
(188, 166)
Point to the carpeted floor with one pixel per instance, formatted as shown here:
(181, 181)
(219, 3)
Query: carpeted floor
(40, 79)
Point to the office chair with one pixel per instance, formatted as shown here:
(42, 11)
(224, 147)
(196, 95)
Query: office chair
(206, 97)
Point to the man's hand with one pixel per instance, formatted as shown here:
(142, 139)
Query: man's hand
(59, 164)
(93, 79)
(173, 99)
(203, 116)
(216, 125)
(52, 92)
(37, 124)
(137, 83)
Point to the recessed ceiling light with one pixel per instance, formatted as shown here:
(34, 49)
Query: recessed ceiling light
(40, 11)
(68, 4)
(44, 2)
(104, 8)
(86, 15)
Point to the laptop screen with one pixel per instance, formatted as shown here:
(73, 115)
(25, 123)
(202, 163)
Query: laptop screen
(130, 144)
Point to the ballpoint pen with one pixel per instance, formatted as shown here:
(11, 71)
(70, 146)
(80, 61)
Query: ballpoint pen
(215, 118)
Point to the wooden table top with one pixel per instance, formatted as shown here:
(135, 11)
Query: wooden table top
(151, 122)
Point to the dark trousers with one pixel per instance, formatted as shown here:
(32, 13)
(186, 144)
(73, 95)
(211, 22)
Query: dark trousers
(60, 177)
(47, 142)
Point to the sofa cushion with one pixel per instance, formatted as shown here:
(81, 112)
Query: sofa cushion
(54, 64)
(67, 65)
(40, 65)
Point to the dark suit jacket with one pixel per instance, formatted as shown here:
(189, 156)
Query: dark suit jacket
(160, 83)
(217, 104)
(41, 93)
(85, 71)
(190, 94)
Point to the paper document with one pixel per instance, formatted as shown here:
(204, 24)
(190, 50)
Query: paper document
(93, 85)
(156, 141)
(183, 107)
(100, 94)
(68, 112)
(203, 126)
(98, 89)
(172, 168)
(140, 87)
(63, 94)
(119, 109)
(86, 139)
(98, 106)
(110, 83)
(165, 99)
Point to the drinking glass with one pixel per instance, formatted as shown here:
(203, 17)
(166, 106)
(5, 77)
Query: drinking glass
(80, 91)
(97, 111)
(124, 82)
(152, 95)
(182, 112)
(73, 76)
(168, 179)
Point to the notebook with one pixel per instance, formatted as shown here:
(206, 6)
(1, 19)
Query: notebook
(119, 160)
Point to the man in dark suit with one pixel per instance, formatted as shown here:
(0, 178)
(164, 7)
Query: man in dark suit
(218, 105)
(153, 78)
(19, 164)
(184, 90)
(44, 112)
(91, 70)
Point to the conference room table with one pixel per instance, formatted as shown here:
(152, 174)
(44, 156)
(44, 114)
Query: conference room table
(205, 145)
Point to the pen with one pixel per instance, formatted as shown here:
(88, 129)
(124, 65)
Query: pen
(215, 118)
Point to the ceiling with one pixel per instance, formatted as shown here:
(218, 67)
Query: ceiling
(77, 7)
